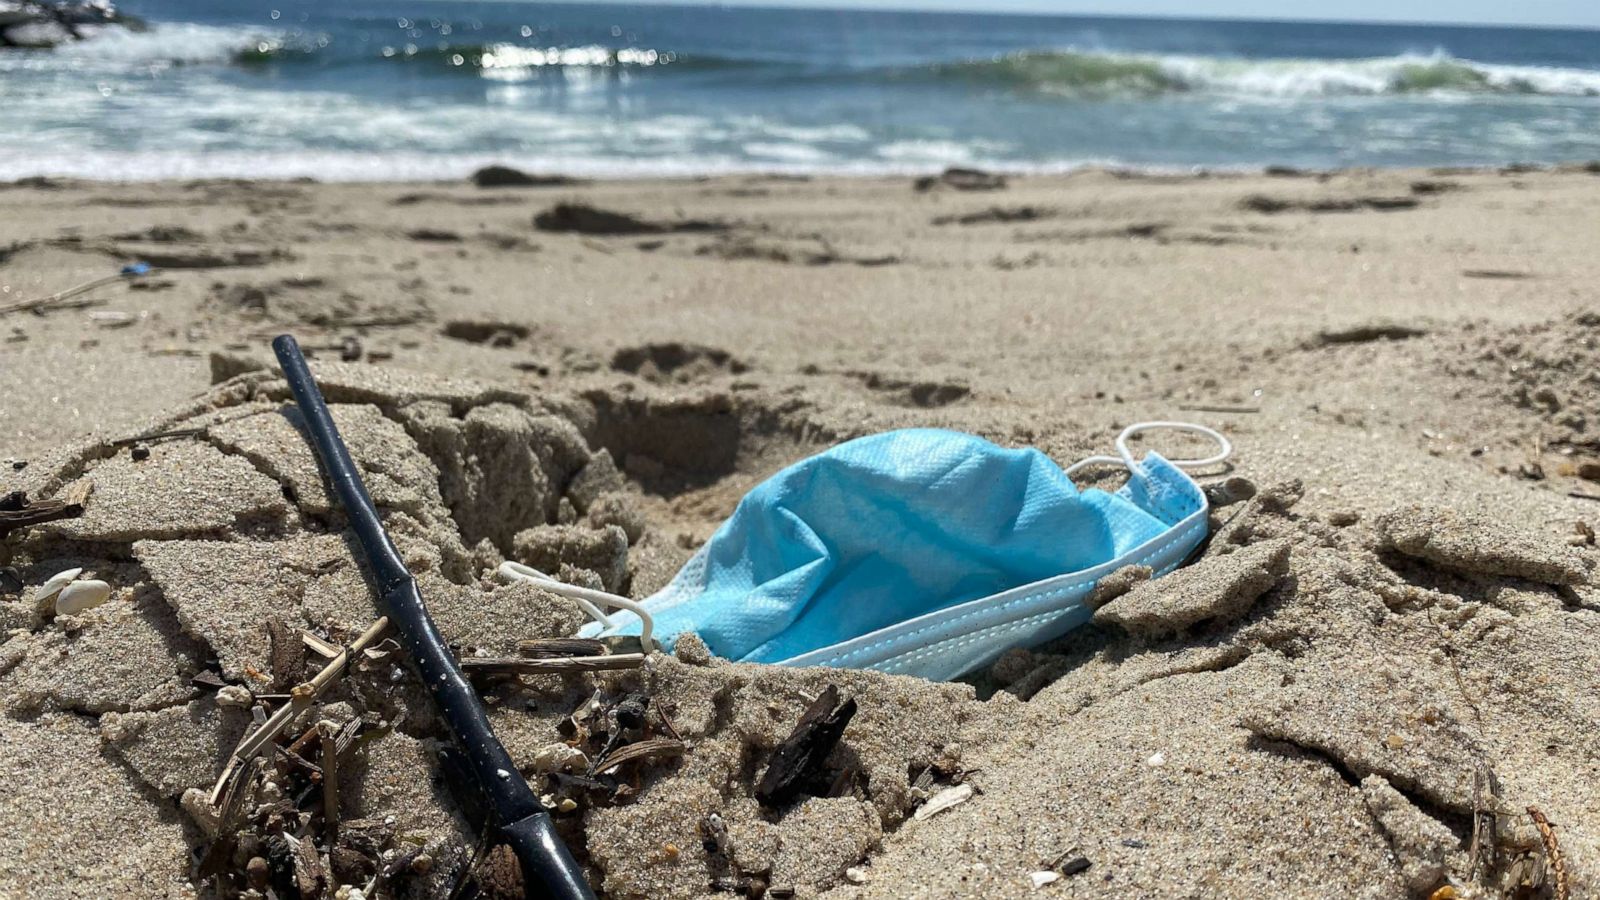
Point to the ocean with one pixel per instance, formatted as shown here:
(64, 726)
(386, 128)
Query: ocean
(365, 90)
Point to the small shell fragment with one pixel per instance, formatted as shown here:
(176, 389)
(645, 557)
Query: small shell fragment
(81, 596)
(45, 597)
(938, 803)
(1040, 879)
(855, 875)
(559, 757)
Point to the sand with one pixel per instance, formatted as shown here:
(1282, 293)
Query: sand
(588, 377)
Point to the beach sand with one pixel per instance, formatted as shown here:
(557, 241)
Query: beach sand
(591, 375)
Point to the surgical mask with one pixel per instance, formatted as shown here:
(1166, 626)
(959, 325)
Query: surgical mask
(917, 552)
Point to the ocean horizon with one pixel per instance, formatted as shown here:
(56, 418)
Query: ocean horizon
(370, 91)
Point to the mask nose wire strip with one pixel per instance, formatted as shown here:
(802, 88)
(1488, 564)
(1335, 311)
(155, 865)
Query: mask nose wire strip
(590, 601)
(1125, 458)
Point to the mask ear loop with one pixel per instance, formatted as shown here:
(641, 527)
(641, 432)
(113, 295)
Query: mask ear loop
(589, 600)
(1125, 458)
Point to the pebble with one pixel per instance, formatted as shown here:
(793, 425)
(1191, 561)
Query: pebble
(235, 695)
(855, 875)
(1227, 493)
(255, 871)
(1040, 879)
(1157, 760)
(81, 596)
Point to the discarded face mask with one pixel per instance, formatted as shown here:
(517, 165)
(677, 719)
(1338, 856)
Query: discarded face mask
(917, 552)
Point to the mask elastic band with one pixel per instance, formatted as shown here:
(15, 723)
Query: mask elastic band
(589, 600)
(1125, 458)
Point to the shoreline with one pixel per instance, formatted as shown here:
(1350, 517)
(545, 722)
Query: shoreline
(249, 170)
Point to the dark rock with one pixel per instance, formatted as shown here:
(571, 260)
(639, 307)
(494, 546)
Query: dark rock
(505, 176)
(580, 218)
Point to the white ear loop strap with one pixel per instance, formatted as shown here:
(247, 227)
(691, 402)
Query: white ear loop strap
(1125, 458)
(589, 600)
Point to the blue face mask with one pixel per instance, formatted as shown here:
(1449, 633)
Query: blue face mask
(917, 552)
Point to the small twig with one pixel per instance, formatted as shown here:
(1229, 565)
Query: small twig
(1552, 853)
(234, 795)
(1205, 407)
(1481, 855)
(557, 666)
(666, 722)
(299, 760)
(1580, 495)
(159, 435)
(328, 735)
(300, 699)
(325, 649)
(478, 854)
(39, 304)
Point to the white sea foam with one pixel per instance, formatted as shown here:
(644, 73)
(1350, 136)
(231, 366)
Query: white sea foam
(350, 166)
(167, 44)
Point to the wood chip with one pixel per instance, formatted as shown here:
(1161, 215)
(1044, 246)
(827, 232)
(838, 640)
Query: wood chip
(552, 647)
(16, 511)
(800, 757)
(288, 655)
(310, 875)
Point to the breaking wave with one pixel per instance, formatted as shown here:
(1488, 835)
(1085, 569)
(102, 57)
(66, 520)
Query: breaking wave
(1092, 74)
(1072, 73)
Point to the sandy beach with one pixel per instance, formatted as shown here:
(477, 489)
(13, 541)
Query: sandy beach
(1382, 660)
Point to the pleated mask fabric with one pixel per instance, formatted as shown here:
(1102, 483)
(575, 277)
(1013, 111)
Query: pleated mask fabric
(919, 552)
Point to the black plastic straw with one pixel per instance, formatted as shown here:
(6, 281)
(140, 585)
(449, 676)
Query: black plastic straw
(523, 824)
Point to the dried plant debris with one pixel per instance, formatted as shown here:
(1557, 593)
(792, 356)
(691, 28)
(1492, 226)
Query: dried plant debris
(801, 756)
(580, 218)
(1555, 861)
(17, 511)
(961, 179)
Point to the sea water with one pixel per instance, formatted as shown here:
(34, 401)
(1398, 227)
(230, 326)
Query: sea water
(358, 89)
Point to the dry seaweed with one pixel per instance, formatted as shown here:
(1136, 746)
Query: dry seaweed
(1552, 853)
